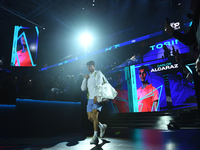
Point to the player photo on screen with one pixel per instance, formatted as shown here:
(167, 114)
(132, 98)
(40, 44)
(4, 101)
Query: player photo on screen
(25, 47)
(150, 90)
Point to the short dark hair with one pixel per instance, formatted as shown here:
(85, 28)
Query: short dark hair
(146, 68)
(90, 63)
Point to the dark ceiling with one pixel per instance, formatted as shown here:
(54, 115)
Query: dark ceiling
(64, 20)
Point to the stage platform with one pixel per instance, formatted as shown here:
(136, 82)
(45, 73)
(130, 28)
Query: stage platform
(177, 119)
(115, 139)
(45, 125)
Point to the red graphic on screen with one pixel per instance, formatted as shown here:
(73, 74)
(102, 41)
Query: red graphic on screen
(148, 96)
(121, 103)
(23, 55)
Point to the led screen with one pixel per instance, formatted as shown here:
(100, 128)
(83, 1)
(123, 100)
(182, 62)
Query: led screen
(154, 86)
(25, 47)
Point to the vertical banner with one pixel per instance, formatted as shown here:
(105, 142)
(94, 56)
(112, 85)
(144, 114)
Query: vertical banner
(132, 88)
(129, 87)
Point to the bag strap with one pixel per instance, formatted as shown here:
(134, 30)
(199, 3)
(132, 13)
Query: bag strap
(96, 77)
(104, 79)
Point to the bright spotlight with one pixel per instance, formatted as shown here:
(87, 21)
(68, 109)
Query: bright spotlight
(86, 39)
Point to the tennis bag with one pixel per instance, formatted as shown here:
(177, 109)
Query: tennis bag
(105, 91)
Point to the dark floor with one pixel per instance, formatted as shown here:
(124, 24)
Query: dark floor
(115, 139)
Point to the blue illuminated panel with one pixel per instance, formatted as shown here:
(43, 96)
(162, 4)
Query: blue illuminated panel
(46, 101)
(7, 106)
(189, 24)
(41, 101)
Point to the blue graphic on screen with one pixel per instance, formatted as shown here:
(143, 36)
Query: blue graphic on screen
(157, 51)
(25, 46)
(182, 91)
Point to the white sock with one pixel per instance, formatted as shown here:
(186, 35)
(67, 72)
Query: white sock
(96, 133)
(100, 125)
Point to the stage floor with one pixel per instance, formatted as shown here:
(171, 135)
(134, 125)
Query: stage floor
(115, 139)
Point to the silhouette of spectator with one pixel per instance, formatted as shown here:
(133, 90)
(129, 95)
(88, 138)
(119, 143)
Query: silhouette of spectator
(190, 38)
(167, 51)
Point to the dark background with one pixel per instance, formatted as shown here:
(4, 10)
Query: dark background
(109, 21)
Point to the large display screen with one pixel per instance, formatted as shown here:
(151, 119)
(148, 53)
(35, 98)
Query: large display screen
(25, 47)
(154, 86)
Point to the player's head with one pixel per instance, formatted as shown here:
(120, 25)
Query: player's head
(22, 40)
(118, 77)
(193, 5)
(144, 73)
(91, 66)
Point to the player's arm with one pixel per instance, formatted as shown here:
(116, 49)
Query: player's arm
(188, 38)
(84, 83)
(99, 81)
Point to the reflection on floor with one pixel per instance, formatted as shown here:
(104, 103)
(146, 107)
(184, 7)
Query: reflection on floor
(115, 139)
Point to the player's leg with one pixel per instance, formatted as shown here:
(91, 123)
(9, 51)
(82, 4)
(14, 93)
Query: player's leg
(95, 139)
(95, 114)
(89, 114)
(96, 109)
